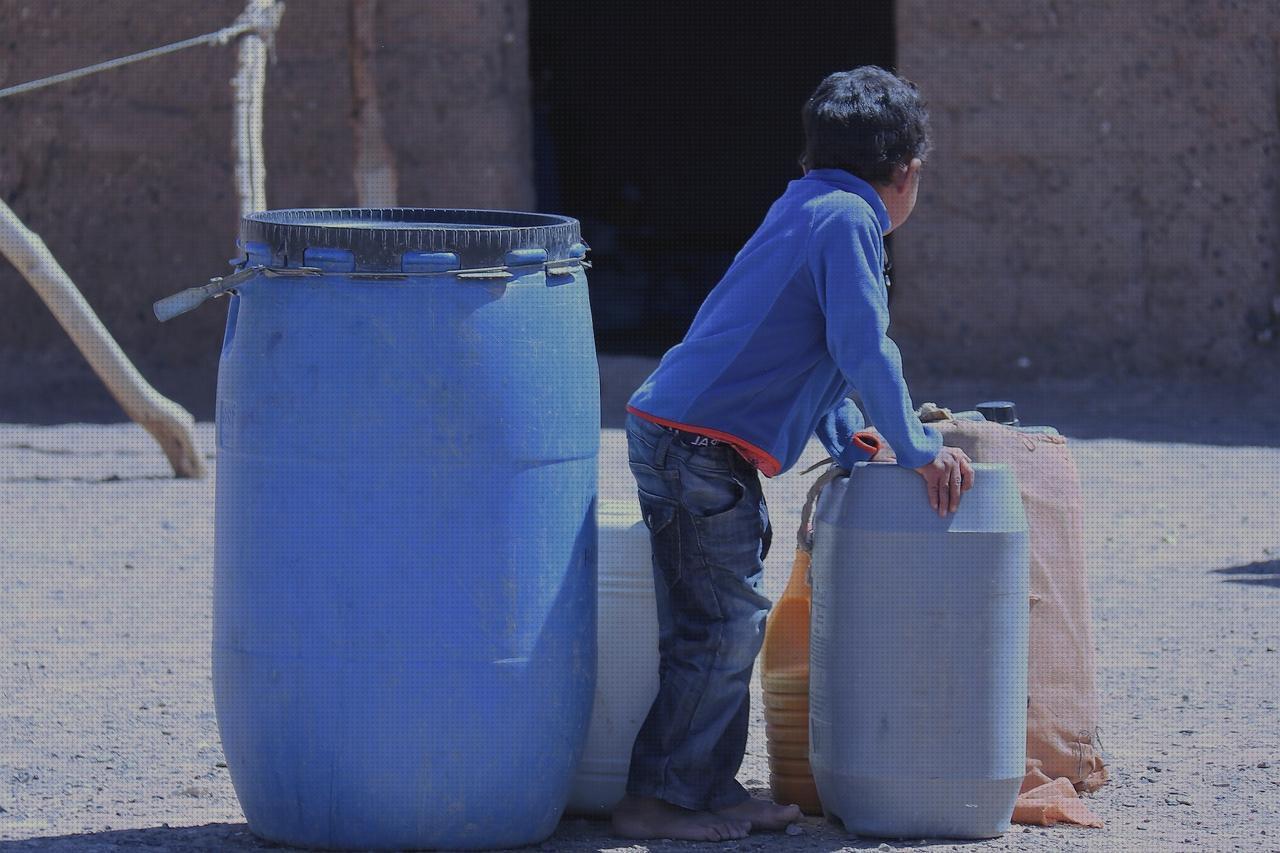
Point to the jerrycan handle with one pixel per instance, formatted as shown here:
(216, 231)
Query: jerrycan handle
(804, 536)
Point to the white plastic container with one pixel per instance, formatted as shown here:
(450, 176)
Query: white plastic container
(627, 658)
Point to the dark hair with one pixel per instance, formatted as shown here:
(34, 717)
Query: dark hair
(866, 121)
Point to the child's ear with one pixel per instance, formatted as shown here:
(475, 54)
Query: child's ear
(905, 175)
(912, 172)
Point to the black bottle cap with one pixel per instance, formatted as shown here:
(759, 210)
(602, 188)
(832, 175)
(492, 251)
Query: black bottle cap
(999, 411)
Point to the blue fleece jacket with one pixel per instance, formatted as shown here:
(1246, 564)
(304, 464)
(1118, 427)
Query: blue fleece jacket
(797, 323)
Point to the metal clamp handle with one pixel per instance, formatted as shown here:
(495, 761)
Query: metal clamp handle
(194, 297)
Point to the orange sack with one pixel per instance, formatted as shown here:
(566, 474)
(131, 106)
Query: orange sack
(1046, 801)
(1062, 711)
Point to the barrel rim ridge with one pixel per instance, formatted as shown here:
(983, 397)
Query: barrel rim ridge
(479, 237)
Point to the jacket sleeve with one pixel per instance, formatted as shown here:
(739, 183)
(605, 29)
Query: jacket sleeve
(846, 258)
(841, 433)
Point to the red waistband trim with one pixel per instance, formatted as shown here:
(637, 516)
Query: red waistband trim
(762, 459)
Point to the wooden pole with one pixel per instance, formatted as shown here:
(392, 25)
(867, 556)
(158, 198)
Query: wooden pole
(171, 425)
(374, 170)
(248, 86)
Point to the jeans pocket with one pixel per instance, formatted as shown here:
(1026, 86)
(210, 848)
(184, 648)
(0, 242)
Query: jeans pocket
(736, 539)
(708, 492)
(664, 535)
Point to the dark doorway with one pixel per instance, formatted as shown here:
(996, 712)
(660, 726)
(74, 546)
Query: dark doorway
(669, 129)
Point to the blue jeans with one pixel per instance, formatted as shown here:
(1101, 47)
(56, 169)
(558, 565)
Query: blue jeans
(710, 532)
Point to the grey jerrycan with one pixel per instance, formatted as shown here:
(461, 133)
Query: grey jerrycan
(918, 644)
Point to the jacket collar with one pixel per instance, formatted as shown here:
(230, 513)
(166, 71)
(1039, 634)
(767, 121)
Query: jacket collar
(841, 179)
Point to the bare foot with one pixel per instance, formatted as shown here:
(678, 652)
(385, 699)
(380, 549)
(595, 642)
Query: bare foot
(648, 817)
(762, 814)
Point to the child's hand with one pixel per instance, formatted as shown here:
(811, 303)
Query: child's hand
(945, 478)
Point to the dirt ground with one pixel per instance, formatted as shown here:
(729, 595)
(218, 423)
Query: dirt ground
(107, 733)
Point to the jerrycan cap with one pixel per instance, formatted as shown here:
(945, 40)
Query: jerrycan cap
(999, 411)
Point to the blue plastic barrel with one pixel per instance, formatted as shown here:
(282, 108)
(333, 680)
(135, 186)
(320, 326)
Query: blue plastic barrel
(918, 655)
(405, 574)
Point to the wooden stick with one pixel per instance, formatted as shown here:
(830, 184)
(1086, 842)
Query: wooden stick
(375, 169)
(171, 425)
(248, 86)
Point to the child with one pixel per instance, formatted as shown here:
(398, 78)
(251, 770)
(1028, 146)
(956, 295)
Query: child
(797, 322)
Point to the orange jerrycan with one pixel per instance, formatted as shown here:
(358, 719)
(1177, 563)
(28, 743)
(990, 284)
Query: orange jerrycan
(784, 674)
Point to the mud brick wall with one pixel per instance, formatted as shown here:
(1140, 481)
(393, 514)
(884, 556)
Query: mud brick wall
(127, 174)
(1103, 195)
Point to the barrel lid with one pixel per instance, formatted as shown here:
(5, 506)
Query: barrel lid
(378, 237)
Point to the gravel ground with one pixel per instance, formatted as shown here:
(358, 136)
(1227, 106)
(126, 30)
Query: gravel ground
(108, 739)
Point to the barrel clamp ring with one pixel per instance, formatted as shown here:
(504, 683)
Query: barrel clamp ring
(193, 297)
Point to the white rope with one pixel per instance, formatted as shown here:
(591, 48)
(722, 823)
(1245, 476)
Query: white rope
(263, 21)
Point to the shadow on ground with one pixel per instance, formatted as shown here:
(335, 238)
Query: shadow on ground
(1263, 573)
(92, 481)
(187, 839)
(573, 835)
